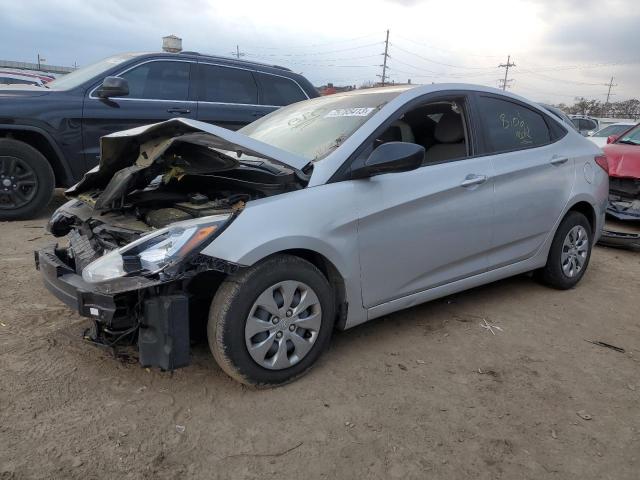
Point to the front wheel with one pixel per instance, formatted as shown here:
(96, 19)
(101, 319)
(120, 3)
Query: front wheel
(569, 254)
(269, 323)
(26, 180)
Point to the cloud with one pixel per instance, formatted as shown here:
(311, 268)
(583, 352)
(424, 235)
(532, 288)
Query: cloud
(342, 42)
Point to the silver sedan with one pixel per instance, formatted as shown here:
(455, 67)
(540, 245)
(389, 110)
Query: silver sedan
(324, 214)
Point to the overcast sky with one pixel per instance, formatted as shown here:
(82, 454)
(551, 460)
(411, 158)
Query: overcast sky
(561, 48)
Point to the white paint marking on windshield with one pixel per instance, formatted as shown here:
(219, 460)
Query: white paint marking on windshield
(350, 112)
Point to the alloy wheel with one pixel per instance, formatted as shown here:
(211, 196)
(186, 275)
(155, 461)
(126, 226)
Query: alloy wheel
(18, 183)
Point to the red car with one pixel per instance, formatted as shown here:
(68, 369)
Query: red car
(623, 158)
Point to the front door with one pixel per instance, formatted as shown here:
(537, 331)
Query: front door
(158, 90)
(424, 228)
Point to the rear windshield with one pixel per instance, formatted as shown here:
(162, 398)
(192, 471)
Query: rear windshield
(314, 128)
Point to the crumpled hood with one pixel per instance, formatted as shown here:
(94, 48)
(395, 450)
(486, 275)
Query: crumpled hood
(624, 160)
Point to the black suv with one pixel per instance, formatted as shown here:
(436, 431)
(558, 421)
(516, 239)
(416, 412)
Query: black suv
(50, 136)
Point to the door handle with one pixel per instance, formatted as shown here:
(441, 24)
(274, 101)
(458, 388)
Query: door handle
(558, 160)
(178, 110)
(473, 179)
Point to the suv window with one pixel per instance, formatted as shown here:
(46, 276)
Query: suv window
(226, 85)
(279, 90)
(510, 126)
(159, 80)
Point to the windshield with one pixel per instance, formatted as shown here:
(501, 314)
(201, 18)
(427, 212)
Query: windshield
(78, 77)
(632, 137)
(611, 130)
(315, 128)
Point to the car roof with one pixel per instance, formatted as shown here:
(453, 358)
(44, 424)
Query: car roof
(217, 58)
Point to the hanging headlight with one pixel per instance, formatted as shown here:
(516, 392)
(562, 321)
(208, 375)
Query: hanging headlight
(154, 252)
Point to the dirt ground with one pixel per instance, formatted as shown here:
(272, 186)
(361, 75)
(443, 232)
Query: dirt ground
(424, 393)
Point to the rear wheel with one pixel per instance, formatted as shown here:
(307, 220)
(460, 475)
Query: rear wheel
(26, 180)
(269, 324)
(570, 252)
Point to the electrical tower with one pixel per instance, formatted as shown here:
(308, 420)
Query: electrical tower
(504, 83)
(383, 77)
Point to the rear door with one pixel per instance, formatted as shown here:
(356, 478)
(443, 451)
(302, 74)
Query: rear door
(533, 175)
(227, 96)
(158, 90)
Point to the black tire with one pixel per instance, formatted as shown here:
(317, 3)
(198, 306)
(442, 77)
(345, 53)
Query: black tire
(553, 274)
(231, 306)
(34, 197)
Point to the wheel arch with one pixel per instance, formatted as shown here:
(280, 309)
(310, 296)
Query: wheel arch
(41, 141)
(585, 208)
(331, 273)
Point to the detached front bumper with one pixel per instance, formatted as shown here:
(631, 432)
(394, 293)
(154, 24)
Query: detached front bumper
(154, 312)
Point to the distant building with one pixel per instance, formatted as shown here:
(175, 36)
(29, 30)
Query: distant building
(330, 89)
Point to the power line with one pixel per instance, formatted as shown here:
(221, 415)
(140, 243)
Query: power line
(430, 60)
(506, 66)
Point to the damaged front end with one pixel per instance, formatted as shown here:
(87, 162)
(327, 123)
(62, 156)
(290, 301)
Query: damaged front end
(135, 227)
(622, 228)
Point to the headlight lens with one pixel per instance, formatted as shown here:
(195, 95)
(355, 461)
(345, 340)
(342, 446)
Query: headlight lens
(155, 251)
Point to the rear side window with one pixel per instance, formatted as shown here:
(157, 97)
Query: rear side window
(279, 90)
(159, 81)
(510, 126)
(227, 85)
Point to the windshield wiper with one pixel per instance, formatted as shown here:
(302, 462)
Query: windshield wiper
(628, 142)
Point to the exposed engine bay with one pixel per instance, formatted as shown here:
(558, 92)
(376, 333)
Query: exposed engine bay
(159, 194)
(150, 181)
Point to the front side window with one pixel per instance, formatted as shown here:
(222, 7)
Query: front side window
(279, 90)
(510, 126)
(159, 80)
(227, 85)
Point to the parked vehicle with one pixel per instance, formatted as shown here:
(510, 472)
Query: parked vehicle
(600, 137)
(623, 160)
(327, 213)
(51, 136)
(584, 124)
(560, 114)
(13, 77)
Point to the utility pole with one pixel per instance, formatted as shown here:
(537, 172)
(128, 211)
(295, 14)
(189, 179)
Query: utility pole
(506, 66)
(383, 77)
(237, 53)
(40, 59)
(610, 85)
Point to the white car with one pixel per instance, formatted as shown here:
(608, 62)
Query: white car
(600, 137)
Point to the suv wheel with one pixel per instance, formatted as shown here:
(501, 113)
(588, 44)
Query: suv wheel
(569, 254)
(26, 180)
(269, 323)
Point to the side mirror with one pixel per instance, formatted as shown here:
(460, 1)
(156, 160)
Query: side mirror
(612, 138)
(390, 157)
(113, 87)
